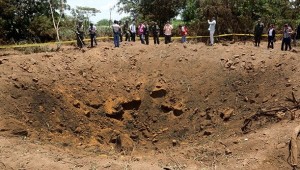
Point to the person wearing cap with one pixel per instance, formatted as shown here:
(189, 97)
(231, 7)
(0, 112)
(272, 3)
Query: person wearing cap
(271, 36)
(92, 31)
(286, 40)
(258, 30)
(116, 29)
(168, 32)
(211, 29)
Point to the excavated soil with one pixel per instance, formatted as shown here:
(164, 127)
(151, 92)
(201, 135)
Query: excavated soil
(192, 106)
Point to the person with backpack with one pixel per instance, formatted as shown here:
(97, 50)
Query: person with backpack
(116, 29)
(92, 31)
(168, 32)
(141, 29)
(271, 36)
(183, 32)
(155, 32)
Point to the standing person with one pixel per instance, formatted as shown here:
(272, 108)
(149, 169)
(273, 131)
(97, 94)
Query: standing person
(258, 30)
(211, 29)
(155, 31)
(126, 31)
(286, 40)
(183, 32)
(133, 31)
(146, 33)
(121, 31)
(92, 31)
(80, 34)
(271, 36)
(141, 29)
(116, 29)
(168, 32)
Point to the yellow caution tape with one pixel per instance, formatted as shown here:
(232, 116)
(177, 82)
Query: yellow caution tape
(100, 38)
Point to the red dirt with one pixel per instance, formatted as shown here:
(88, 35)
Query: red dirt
(148, 107)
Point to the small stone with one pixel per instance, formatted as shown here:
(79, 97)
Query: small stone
(174, 142)
(281, 145)
(228, 152)
(35, 80)
(207, 132)
(87, 113)
(226, 114)
(236, 56)
(76, 103)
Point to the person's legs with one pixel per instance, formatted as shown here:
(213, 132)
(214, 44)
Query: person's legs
(155, 38)
(282, 43)
(286, 44)
(95, 39)
(116, 39)
(166, 39)
(269, 41)
(258, 40)
(255, 40)
(212, 37)
(121, 37)
(92, 39)
(147, 39)
(133, 37)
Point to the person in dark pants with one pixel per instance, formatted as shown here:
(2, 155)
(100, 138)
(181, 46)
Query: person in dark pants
(258, 30)
(133, 31)
(126, 31)
(80, 35)
(168, 32)
(92, 31)
(271, 36)
(121, 31)
(155, 32)
(286, 40)
(146, 33)
(116, 29)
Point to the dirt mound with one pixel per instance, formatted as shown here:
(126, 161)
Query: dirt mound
(198, 102)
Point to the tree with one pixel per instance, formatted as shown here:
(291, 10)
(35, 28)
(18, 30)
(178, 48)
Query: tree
(62, 6)
(156, 10)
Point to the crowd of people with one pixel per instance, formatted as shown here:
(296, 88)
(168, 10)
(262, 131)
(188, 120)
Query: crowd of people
(289, 35)
(144, 29)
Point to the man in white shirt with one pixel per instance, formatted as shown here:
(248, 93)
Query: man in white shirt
(92, 31)
(132, 31)
(116, 31)
(212, 28)
(168, 32)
